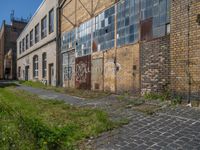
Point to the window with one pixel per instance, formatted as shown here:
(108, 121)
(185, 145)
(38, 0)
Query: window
(27, 46)
(51, 21)
(14, 29)
(68, 62)
(128, 18)
(146, 29)
(44, 27)
(83, 45)
(31, 38)
(35, 66)
(19, 72)
(104, 34)
(68, 40)
(65, 66)
(37, 33)
(23, 45)
(20, 47)
(159, 12)
(44, 65)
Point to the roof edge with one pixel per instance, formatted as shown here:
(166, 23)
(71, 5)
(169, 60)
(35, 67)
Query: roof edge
(32, 17)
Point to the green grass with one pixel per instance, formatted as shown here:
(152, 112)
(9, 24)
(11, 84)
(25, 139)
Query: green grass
(124, 97)
(147, 109)
(157, 96)
(86, 94)
(28, 122)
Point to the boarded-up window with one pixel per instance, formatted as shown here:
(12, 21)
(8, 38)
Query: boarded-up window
(146, 29)
(94, 46)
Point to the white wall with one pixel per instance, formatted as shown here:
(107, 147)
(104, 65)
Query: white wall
(42, 11)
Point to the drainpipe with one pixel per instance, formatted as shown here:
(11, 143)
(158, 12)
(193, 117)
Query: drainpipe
(188, 59)
(115, 60)
(58, 46)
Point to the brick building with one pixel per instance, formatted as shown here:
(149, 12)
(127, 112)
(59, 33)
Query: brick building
(8, 46)
(185, 46)
(128, 45)
(37, 46)
(115, 45)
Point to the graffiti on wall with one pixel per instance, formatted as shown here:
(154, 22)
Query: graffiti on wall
(69, 69)
(81, 72)
(67, 72)
(109, 75)
(97, 74)
(97, 67)
(109, 67)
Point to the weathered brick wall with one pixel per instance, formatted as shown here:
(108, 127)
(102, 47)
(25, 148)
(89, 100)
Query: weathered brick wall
(155, 64)
(185, 45)
(1, 52)
(128, 74)
(116, 70)
(109, 71)
(72, 15)
(97, 71)
(8, 37)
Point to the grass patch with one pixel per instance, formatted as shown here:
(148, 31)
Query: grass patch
(136, 102)
(176, 101)
(123, 97)
(86, 94)
(147, 109)
(28, 122)
(195, 103)
(157, 96)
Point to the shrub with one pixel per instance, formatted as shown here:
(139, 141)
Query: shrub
(157, 96)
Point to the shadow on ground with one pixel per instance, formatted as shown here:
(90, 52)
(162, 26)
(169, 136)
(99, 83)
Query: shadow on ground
(7, 83)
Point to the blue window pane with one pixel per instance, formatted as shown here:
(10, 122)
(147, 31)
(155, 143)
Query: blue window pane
(68, 40)
(127, 21)
(83, 45)
(105, 33)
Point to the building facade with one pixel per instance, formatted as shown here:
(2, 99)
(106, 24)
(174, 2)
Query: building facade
(138, 46)
(8, 48)
(185, 46)
(115, 46)
(37, 46)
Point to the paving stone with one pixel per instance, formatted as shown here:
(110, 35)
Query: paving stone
(142, 147)
(173, 145)
(156, 147)
(162, 144)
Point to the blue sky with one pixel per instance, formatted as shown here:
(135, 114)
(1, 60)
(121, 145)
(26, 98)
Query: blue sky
(22, 8)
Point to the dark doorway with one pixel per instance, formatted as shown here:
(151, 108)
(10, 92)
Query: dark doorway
(51, 74)
(27, 73)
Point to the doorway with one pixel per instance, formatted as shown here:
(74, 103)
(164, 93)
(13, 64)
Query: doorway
(51, 74)
(26, 73)
(69, 69)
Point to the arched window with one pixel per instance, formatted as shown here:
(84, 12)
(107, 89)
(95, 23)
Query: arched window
(35, 66)
(44, 65)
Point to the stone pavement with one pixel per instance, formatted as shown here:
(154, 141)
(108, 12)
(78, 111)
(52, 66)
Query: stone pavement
(160, 131)
(170, 129)
(47, 94)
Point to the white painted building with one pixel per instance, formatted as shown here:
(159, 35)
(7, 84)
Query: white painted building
(37, 46)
